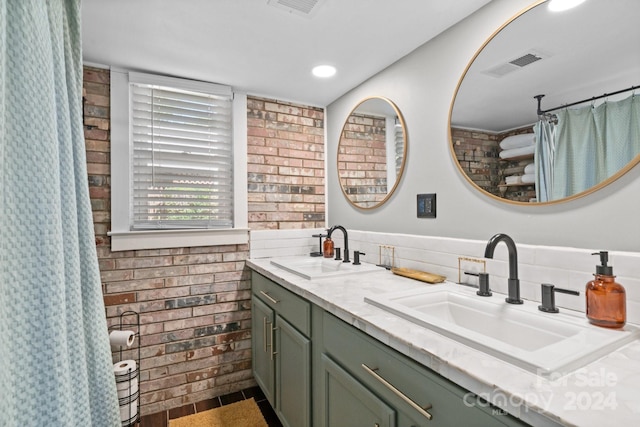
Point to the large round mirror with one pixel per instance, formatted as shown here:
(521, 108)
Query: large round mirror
(372, 152)
(525, 121)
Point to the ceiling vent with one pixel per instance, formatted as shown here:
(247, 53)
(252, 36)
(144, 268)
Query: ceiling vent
(306, 8)
(525, 60)
(516, 64)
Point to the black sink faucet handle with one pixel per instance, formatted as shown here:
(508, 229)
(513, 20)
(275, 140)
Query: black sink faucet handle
(356, 257)
(549, 299)
(483, 284)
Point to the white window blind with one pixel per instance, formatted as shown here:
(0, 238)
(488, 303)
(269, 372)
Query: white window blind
(182, 159)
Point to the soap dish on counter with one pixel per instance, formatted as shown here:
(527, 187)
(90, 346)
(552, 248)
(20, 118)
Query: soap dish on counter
(423, 276)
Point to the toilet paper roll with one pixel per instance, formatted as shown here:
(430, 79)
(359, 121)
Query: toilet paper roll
(127, 388)
(125, 370)
(128, 399)
(119, 339)
(129, 412)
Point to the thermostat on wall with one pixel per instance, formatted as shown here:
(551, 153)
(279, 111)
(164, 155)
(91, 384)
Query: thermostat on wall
(427, 205)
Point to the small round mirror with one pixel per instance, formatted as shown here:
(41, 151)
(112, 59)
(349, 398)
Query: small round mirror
(372, 152)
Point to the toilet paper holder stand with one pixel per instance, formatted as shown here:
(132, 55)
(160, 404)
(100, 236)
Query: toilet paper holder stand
(128, 383)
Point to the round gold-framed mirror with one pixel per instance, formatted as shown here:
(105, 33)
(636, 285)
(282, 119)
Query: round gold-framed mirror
(372, 152)
(577, 69)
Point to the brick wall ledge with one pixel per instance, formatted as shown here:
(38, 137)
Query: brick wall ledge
(164, 239)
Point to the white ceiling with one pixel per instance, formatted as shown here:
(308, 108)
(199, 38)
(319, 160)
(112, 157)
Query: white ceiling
(261, 49)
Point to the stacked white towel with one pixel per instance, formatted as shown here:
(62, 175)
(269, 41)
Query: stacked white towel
(513, 179)
(528, 178)
(516, 152)
(517, 141)
(530, 168)
(517, 145)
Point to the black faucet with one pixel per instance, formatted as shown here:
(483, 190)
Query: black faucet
(346, 240)
(513, 282)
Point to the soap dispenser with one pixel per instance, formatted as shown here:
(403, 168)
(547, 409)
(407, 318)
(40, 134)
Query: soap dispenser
(327, 248)
(606, 299)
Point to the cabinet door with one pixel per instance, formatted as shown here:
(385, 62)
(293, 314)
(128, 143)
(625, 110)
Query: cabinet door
(293, 375)
(347, 403)
(404, 384)
(262, 347)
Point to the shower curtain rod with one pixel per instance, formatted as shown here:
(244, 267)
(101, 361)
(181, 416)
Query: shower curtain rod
(543, 112)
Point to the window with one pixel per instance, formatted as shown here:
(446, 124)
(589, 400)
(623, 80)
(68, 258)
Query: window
(182, 159)
(178, 163)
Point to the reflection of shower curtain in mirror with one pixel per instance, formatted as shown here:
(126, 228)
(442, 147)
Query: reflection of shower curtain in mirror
(592, 144)
(544, 155)
(399, 148)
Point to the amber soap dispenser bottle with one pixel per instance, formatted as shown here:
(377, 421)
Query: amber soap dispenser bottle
(327, 248)
(606, 299)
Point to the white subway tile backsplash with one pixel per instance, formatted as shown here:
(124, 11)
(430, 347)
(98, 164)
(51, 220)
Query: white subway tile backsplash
(273, 243)
(578, 280)
(631, 286)
(572, 302)
(498, 267)
(529, 290)
(564, 267)
(633, 311)
(626, 264)
(498, 284)
(566, 258)
(539, 275)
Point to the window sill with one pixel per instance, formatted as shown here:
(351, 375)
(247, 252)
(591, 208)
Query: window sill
(164, 239)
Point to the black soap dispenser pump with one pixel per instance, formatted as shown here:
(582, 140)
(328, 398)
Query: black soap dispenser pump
(606, 299)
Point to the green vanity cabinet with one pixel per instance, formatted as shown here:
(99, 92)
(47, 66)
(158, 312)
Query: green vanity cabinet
(281, 350)
(419, 396)
(347, 378)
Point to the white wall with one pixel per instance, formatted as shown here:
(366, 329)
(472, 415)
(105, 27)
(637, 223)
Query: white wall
(422, 85)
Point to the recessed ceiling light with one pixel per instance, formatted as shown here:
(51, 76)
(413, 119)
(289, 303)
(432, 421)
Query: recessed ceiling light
(560, 5)
(324, 71)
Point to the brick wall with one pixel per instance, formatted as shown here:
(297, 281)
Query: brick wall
(194, 303)
(477, 154)
(285, 165)
(362, 161)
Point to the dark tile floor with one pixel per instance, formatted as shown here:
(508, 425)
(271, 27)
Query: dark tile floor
(161, 419)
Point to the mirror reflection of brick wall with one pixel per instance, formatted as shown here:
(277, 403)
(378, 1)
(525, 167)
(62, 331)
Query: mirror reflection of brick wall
(362, 161)
(478, 155)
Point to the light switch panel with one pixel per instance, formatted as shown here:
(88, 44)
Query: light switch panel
(427, 205)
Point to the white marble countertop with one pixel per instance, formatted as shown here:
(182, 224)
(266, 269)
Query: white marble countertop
(605, 392)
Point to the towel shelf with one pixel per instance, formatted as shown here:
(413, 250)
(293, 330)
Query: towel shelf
(519, 184)
(517, 158)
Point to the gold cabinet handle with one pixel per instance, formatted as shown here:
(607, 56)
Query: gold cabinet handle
(269, 297)
(401, 395)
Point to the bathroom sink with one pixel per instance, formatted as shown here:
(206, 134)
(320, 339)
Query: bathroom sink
(319, 267)
(539, 342)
